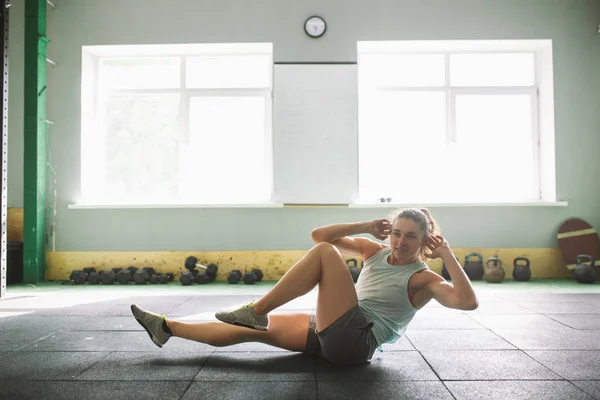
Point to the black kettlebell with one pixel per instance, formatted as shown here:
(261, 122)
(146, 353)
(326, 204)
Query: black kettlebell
(353, 267)
(474, 269)
(585, 273)
(521, 273)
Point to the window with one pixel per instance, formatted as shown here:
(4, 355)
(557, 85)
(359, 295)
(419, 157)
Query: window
(455, 122)
(180, 124)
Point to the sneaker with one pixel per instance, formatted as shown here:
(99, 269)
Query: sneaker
(244, 316)
(153, 324)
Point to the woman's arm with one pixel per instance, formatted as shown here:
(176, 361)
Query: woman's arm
(339, 236)
(459, 294)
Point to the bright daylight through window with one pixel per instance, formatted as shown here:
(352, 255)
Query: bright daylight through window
(456, 122)
(177, 124)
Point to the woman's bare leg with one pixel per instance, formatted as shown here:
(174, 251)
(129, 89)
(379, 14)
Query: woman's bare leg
(323, 265)
(287, 331)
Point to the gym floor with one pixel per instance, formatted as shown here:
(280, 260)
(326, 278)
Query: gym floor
(534, 340)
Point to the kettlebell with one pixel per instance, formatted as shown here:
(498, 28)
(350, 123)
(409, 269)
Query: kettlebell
(474, 269)
(585, 273)
(353, 267)
(521, 273)
(494, 272)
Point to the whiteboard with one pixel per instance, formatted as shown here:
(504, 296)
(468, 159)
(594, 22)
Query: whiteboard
(315, 133)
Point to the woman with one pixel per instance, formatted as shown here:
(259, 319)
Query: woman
(350, 321)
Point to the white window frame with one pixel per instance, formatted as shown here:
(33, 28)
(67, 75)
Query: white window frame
(93, 131)
(541, 94)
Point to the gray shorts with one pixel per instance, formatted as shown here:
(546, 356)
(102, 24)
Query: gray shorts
(347, 341)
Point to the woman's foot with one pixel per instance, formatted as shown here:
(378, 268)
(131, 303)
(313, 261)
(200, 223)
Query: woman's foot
(244, 316)
(154, 324)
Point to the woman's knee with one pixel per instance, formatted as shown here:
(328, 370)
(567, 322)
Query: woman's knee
(326, 248)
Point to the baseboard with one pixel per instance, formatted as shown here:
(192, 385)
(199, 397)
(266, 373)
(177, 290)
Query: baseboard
(545, 262)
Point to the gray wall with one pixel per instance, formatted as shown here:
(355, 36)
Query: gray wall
(572, 25)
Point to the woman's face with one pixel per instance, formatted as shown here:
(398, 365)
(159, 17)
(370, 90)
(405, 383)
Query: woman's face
(406, 240)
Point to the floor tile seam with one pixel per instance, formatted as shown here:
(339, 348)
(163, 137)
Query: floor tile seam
(149, 352)
(86, 380)
(501, 350)
(257, 380)
(208, 357)
(444, 380)
(33, 342)
(93, 364)
(548, 367)
(566, 350)
(428, 364)
(521, 304)
(507, 380)
(448, 389)
(298, 381)
(583, 390)
(104, 330)
(465, 350)
(186, 389)
(210, 353)
(75, 351)
(562, 323)
(496, 334)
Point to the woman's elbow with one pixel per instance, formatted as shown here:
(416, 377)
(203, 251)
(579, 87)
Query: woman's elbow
(471, 305)
(315, 235)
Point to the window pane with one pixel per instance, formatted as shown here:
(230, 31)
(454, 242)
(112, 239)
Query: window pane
(226, 159)
(402, 136)
(492, 69)
(142, 148)
(494, 154)
(233, 71)
(402, 69)
(140, 73)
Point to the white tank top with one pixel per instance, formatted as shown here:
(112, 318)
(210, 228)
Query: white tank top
(382, 291)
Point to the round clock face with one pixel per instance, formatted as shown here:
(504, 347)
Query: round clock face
(315, 26)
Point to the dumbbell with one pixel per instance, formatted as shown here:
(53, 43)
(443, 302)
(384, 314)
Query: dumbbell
(202, 278)
(234, 276)
(150, 271)
(250, 278)
(191, 263)
(107, 277)
(141, 277)
(165, 278)
(78, 277)
(186, 278)
(259, 274)
(88, 271)
(93, 278)
(124, 276)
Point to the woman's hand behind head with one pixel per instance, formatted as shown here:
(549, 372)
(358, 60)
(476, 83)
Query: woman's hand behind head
(437, 245)
(381, 228)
